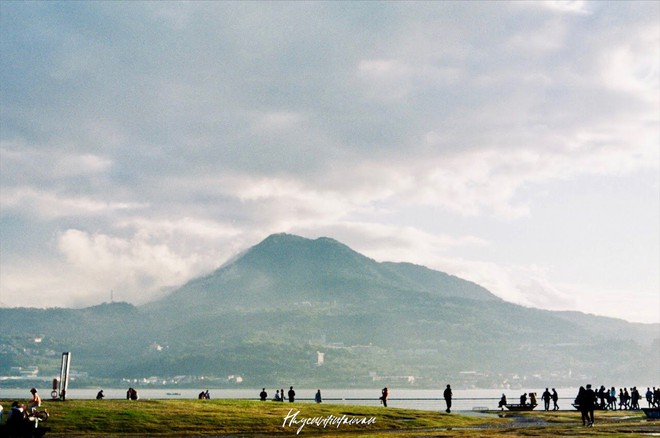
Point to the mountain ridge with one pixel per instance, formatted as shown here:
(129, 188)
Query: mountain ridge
(267, 313)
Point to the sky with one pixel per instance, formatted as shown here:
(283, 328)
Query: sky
(513, 144)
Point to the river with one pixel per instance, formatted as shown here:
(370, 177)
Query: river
(427, 399)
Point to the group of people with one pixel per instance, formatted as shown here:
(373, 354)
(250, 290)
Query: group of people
(291, 394)
(607, 399)
(204, 395)
(132, 394)
(529, 399)
(589, 400)
(25, 416)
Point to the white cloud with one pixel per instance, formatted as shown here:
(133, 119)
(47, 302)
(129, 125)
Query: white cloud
(47, 205)
(219, 123)
(135, 268)
(566, 6)
(632, 66)
(278, 120)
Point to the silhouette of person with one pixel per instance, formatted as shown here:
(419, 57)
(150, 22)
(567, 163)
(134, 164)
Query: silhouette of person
(581, 404)
(502, 402)
(546, 396)
(292, 394)
(263, 395)
(317, 397)
(282, 394)
(555, 399)
(589, 402)
(277, 396)
(532, 398)
(447, 396)
(100, 395)
(17, 420)
(383, 397)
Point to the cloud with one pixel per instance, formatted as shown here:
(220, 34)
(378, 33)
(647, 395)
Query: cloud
(567, 6)
(135, 268)
(47, 205)
(176, 129)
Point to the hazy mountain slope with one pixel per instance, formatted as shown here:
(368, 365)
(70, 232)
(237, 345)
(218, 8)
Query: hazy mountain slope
(285, 269)
(265, 314)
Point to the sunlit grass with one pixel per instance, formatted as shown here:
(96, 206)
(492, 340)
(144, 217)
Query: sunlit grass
(92, 418)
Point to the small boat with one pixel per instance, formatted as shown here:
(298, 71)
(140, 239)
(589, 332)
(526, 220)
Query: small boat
(524, 407)
(173, 393)
(652, 413)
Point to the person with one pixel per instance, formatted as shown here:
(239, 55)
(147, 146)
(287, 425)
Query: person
(649, 396)
(634, 398)
(383, 397)
(277, 396)
(16, 417)
(589, 402)
(546, 397)
(35, 401)
(207, 395)
(291, 394)
(580, 404)
(532, 398)
(132, 394)
(523, 399)
(612, 399)
(200, 396)
(555, 399)
(263, 395)
(502, 402)
(100, 395)
(317, 397)
(282, 394)
(447, 396)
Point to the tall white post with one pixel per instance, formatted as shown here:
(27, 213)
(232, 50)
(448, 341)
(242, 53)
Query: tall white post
(64, 374)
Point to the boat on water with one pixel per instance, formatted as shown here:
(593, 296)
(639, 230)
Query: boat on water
(652, 413)
(173, 393)
(520, 407)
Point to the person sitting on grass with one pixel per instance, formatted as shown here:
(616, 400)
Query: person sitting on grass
(35, 401)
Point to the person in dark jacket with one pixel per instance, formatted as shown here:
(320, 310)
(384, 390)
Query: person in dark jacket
(590, 402)
(447, 396)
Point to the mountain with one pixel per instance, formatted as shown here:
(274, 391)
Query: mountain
(284, 270)
(272, 312)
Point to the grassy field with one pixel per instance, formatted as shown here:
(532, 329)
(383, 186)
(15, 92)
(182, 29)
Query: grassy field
(169, 418)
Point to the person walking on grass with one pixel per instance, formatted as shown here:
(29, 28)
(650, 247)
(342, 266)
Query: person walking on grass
(590, 404)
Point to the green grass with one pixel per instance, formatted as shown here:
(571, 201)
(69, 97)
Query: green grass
(168, 418)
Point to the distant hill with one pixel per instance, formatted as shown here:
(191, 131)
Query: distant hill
(268, 313)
